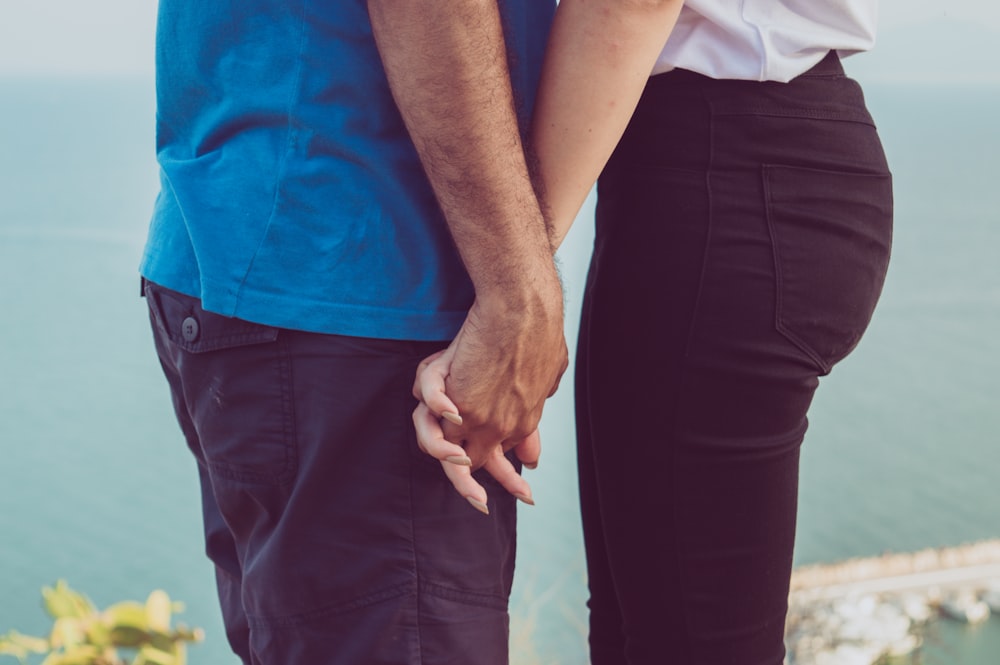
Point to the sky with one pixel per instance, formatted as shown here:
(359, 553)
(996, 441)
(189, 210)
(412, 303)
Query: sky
(115, 38)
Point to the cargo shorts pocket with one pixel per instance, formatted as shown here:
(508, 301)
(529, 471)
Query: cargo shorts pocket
(831, 234)
(234, 381)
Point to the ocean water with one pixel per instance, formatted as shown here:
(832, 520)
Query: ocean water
(96, 486)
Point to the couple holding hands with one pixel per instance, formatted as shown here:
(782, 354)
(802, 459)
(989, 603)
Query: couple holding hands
(358, 193)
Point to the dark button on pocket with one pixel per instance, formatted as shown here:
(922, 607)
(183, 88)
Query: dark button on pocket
(189, 329)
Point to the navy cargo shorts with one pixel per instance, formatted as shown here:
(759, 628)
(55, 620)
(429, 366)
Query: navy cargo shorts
(335, 540)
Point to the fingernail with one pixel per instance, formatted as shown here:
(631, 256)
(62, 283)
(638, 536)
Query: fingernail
(530, 465)
(460, 460)
(452, 417)
(526, 498)
(478, 505)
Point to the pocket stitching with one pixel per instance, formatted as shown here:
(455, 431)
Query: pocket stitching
(286, 474)
(189, 306)
(824, 364)
(779, 290)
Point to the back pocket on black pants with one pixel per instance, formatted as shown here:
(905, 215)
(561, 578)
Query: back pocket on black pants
(831, 233)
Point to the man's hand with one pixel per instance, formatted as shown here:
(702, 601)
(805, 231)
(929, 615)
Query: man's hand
(484, 395)
(446, 64)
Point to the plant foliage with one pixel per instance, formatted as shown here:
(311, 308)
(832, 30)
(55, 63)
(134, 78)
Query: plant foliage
(83, 635)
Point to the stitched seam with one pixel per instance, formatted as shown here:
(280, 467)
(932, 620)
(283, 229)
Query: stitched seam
(227, 341)
(779, 279)
(708, 230)
(416, 563)
(250, 477)
(805, 113)
(682, 549)
(751, 443)
(288, 411)
(467, 597)
(284, 476)
(300, 618)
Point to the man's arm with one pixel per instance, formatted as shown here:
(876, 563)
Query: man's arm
(598, 60)
(446, 63)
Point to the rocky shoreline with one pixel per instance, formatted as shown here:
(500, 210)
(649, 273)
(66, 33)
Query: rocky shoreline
(858, 611)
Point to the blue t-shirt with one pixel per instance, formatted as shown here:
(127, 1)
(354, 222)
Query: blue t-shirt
(291, 194)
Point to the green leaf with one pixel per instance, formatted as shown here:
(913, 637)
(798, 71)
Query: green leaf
(81, 655)
(189, 634)
(127, 624)
(151, 656)
(180, 654)
(15, 643)
(67, 632)
(161, 641)
(158, 611)
(61, 601)
(126, 614)
(128, 637)
(98, 633)
(15, 650)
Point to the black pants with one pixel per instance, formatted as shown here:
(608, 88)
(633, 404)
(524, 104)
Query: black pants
(743, 234)
(335, 540)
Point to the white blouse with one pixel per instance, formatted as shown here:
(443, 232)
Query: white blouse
(765, 40)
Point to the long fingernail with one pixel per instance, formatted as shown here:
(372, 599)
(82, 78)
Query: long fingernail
(530, 465)
(460, 460)
(452, 417)
(478, 505)
(526, 498)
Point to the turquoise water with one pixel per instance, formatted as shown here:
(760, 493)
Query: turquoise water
(96, 486)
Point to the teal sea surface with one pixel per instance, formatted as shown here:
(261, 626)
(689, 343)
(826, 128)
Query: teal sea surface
(96, 486)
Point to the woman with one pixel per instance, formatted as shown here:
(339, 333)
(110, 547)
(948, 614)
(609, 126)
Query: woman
(743, 232)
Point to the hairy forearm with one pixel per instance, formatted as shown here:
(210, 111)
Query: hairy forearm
(599, 58)
(447, 66)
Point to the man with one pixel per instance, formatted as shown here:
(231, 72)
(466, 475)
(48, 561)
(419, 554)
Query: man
(344, 190)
